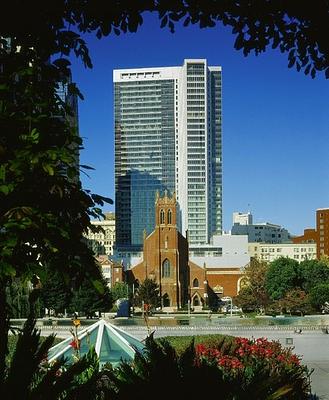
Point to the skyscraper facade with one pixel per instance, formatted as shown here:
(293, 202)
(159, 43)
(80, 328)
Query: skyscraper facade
(168, 137)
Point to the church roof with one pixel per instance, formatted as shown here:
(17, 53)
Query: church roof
(111, 344)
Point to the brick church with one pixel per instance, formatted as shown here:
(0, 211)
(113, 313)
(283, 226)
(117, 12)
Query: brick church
(166, 260)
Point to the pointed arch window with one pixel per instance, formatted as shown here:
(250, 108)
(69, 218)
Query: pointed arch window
(169, 216)
(195, 283)
(166, 268)
(162, 217)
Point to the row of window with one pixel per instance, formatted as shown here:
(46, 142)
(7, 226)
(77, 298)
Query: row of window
(162, 216)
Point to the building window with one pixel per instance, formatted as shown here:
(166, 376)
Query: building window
(166, 268)
(162, 217)
(169, 216)
(195, 283)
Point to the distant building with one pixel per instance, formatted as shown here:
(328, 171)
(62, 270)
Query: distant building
(261, 232)
(242, 218)
(70, 100)
(322, 227)
(102, 240)
(270, 252)
(320, 235)
(309, 236)
(224, 251)
(106, 267)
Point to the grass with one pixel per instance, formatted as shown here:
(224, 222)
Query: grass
(180, 343)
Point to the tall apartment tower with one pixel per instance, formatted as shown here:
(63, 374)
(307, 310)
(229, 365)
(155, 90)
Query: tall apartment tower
(168, 136)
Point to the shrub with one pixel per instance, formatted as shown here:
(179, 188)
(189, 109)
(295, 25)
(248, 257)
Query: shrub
(260, 367)
(237, 369)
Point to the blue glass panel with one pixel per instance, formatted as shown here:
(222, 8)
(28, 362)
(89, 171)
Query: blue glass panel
(113, 350)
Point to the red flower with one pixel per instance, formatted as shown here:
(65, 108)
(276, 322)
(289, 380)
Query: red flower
(200, 348)
(281, 358)
(75, 344)
(294, 360)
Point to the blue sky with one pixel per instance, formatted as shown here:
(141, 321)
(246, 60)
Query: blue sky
(275, 121)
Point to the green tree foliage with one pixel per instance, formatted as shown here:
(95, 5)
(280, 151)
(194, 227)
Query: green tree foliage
(120, 290)
(246, 300)
(313, 273)
(319, 295)
(89, 299)
(56, 294)
(283, 275)
(253, 295)
(43, 209)
(295, 301)
(148, 292)
(17, 293)
(299, 29)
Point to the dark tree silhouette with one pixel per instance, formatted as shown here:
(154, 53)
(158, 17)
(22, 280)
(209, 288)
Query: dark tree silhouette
(298, 28)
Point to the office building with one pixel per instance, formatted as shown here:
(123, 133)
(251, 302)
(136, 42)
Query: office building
(270, 252)
(258, 232)
(242, 218)
(168, 138)
(101, 239)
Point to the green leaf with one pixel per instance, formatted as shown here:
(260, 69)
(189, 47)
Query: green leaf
(239, 42)
(164, 21)
(307, 69)
(5, 189)
(327, 73)
(48, 168)
(86, 167)
(7, 270)
(291, 62)
(62, 63)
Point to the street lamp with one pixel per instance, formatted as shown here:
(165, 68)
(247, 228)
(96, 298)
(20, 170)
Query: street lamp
(228, 298)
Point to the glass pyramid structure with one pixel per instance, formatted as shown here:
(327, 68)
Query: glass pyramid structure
(111, 344)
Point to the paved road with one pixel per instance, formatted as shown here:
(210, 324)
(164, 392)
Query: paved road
(312, 345)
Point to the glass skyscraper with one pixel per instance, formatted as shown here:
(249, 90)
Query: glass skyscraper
(168, 137)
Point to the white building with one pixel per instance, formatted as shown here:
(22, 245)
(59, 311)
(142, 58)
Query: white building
(102, 241)
(106, 267)
(260, 232)
(242, 218)
(270, 252)
(225, 251)
(168, 136)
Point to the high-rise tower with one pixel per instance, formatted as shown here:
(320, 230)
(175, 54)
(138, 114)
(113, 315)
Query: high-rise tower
(168, 137)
